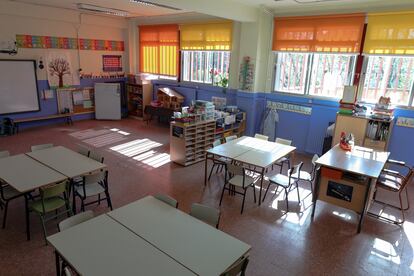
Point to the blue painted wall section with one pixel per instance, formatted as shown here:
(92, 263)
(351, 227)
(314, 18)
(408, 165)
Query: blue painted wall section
(49, 106)
(306, 131)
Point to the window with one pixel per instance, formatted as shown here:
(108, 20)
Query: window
(314, 74)
(159, 50)
(211, 67)
(389, 76)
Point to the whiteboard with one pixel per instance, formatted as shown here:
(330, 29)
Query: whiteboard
(18, 89)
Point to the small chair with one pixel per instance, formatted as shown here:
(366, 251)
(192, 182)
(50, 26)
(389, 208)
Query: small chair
(219, 163)
(84, 151)
(283, 160)
(7, 194)
(306, 176)
(75, 220)
(96, 156)
(4, 153)
(167, 199)
(394, 181)
(92, 185)
(239, 179)
(286, 182)
(261, 137)
(40, 147)
(205, 213)
(52, 198)
(239, 268)
(230, 138)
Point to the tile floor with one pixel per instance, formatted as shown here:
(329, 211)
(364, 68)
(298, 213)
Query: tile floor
(282, 244)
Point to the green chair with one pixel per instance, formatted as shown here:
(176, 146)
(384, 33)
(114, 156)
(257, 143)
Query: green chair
(167, 199)
(53, 203)
(75, 220)
(84, 151)
(7, 194)
(205, 213)
(239, 268)
(40, 147)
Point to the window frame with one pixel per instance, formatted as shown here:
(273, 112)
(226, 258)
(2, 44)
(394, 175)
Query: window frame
(204, 59)
(410, 104)
(308, 77)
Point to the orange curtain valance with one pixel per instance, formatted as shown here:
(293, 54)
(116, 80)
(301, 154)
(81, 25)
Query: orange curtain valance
(334, 33)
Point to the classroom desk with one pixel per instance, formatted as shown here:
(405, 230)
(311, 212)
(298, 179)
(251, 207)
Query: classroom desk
(25, 175)
(198, 246)
(67, 162)
(102, 246)
(347, 178)
(250, 151)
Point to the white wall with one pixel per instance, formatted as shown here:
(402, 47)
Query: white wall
(19, 18)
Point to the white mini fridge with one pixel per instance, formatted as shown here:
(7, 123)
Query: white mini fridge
(107, 101)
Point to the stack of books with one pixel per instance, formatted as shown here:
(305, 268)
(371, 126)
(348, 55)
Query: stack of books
(347, 104)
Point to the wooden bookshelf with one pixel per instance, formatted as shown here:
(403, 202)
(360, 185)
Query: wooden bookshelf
(139, 95)
(188, 142)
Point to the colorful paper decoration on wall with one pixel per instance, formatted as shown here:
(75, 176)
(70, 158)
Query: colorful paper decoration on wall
(52, 42)
(60, 72)
(290, 107)
(405, 122)
(111, 63)
(246, 75)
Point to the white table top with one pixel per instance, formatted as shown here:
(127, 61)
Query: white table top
(26, 174)
(193, 243)
(102, 246)
(262, 153)
(362, 161)
(66, 161)
(253, 151)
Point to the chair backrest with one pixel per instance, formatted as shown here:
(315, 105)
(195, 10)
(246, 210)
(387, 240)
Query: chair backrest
(167, 199)
(295, 170)
(4, 153)
(216, 143)
(409, 178)
(84, 151)
(96, 177)
(96, 156)
(238, 268)
(230, 138)
(262, 137)
(283, 141)
(75, 220)
(235, 169)
(205, 213)
(40, 147)
(53, 190)
(314, 166)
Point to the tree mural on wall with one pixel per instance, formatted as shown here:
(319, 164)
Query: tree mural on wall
(59, 67)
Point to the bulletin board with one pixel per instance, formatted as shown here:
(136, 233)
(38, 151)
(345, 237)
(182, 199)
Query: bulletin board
(76, 100)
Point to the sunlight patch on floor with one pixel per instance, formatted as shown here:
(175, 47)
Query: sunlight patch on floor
(386, 251)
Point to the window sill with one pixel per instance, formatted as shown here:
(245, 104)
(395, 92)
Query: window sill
(310, 97)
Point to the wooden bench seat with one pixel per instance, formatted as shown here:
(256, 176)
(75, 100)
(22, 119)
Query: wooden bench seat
(67, 116)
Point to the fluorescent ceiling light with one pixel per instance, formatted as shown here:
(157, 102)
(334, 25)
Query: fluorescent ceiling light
(103, 10)
(151, 4)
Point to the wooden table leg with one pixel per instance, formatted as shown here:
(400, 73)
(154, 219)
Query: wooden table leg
(261, 185)
(26, 207)
(364, 209)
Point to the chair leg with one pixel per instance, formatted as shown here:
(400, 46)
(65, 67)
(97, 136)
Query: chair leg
(5, 214)
(211, 170)
(281, 167)
(287, 199)
(297, 189)
(99, 199)
(108, 199)
(254, 193)
(44, 228)
(402, 209)
(264, 196)
(244, 197)
(222, 194)
(217, 169)
(408, 201)
(82, 205)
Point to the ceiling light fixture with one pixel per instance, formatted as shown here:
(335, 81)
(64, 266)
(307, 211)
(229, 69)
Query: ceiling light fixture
(313, 1)
(98, 9)
(151, 4)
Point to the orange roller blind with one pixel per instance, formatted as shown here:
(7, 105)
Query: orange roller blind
(158, 46)
(206, 37)
(333, 33)
(390, 33)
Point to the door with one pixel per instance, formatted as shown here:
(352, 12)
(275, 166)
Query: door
(107, 101)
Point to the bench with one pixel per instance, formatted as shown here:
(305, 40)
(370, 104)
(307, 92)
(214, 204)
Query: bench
(67, 116)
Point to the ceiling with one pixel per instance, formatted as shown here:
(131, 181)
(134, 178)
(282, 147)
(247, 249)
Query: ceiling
(240, 10)
(302, 7)
(134, 9)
